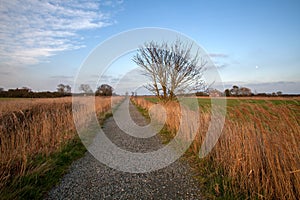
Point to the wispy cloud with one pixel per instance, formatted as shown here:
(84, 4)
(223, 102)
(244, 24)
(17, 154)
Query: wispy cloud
(220, 60)
(218, 55)
(31, 31)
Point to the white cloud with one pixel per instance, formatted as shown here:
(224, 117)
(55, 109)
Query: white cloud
(31, 30)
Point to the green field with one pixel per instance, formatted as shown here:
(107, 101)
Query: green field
(205, 103)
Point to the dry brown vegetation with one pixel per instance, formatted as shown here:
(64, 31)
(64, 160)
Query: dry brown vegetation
(259, 149)
(37, 127)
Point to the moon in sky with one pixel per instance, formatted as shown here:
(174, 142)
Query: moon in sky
(256, 67)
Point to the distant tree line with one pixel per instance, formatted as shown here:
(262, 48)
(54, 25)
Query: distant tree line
(237, 91)
(23, 93)
(102, 90)
(234, 91)
(107, 90)
(62, 91)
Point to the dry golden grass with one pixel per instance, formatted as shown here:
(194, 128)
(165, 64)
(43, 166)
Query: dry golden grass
(259, 148)
(37, 127)
(8, 105)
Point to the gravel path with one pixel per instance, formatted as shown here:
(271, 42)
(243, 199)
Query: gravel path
(90, 179)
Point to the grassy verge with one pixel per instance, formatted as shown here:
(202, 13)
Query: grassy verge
(47, 172)
(44, 172)
(142, 110)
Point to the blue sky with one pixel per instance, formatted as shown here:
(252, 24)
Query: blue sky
(253, 43)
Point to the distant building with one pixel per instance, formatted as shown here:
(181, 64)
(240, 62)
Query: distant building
(215, 93)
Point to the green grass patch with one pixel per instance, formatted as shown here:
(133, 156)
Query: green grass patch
(152, 99)
(194, 104)
(143, 111)
(285, 102)
(206, 102)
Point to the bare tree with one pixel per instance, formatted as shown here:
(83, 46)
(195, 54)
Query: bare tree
(171, 68)
(86, 88)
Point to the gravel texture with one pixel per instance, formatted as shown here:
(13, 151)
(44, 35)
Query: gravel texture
(90, 179)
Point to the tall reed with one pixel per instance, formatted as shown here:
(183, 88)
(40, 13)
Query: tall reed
(37, 127)
(259, 148)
